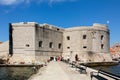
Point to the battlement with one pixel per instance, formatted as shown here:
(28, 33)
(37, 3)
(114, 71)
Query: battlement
(24, 23)
(51, 27)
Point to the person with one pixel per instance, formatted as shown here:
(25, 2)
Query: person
(76, 57)
(7, 61)
(56, 58)
(68, 58)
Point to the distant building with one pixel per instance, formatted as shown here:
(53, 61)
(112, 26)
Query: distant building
(31, 42)
(115, 50)
(0, 42)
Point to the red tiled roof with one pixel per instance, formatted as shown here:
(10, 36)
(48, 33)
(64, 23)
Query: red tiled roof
(115, 48)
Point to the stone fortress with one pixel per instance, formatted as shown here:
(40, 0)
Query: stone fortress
(30, 41)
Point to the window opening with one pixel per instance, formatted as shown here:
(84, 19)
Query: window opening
(59, 45)
(68, 37)
(84, 36)
(50, 45)
(40, 43)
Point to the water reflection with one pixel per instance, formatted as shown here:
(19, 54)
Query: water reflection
(15, 73)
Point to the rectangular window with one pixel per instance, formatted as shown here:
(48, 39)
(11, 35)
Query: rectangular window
(50, 45)
(84, 47)
(59, 45)
(102, 46)
(40, 44)
(68, 37)
(101, 37)
(84, 36)
(27, 45)
(68, 47)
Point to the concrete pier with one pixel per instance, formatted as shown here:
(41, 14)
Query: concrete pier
(59, 71)
(62, 71)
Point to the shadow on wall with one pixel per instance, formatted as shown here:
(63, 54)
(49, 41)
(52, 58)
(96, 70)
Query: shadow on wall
(91, 55)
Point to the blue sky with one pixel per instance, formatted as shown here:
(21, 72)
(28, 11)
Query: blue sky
(63, 13)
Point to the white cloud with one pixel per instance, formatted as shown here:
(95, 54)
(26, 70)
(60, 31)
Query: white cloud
(57, 0)
(13, 2)
(10, 2)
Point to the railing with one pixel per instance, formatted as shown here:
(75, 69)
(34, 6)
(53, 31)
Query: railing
(111, 75)
(108, 74)
(74, 64)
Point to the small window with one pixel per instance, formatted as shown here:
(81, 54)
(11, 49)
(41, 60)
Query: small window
(68, 37)
(59, 45)
(84, 47)
(102, 46)
(58, 29)
(101, 37)
(50, 45)
(40, 44)
(68, 47)
(84, 36)
(27, 45)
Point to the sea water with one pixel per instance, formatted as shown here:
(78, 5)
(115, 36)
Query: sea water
(15, 73)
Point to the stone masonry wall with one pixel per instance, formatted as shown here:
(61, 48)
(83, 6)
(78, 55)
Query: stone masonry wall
(45, 36)
(23, 42)
(87, 43)
(34, 42)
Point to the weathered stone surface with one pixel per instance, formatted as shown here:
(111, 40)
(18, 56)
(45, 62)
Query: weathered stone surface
(35, 42)
(4, 50)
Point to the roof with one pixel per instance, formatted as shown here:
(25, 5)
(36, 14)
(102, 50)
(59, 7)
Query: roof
(115, 48)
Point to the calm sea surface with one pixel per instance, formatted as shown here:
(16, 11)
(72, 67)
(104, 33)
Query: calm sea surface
(23, 73)
(15, 73)
(112, 69)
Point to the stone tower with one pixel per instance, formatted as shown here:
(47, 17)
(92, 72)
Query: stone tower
(90, 43)
(23, 42)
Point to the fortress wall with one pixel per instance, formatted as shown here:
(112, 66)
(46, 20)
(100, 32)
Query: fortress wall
(87, 42)
(23, 41)
(34, 42)
(4, 49)
(47, 35)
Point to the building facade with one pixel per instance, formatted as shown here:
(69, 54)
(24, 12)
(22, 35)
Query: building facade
(115, 51)
(38, 42)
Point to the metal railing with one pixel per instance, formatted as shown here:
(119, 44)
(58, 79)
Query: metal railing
(108, 74)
